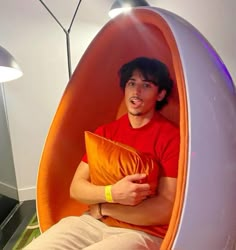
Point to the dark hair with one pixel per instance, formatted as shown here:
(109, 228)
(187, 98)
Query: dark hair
(151, 69)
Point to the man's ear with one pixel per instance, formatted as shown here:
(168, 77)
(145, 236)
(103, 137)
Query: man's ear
(161, 95)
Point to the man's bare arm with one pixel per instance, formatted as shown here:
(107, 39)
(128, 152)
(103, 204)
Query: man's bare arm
(126, 191)
(152, 211)
(82, 190)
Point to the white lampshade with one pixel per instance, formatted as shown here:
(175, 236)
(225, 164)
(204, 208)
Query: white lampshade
(9, 69)
(121, 6)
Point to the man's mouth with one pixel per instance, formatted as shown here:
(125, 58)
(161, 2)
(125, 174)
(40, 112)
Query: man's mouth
(136, 101)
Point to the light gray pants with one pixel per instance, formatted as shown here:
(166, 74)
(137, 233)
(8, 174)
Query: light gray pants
(85, 232)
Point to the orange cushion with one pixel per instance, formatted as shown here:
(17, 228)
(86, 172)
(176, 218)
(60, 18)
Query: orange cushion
(110, 161)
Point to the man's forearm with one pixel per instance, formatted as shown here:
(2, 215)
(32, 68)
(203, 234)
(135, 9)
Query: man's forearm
(87, 192)
(153, 211)
(125, 191)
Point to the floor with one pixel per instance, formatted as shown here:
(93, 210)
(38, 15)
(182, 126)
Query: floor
(7, 204)
(15, 222)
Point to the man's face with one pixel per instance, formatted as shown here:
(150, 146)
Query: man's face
(141, 95)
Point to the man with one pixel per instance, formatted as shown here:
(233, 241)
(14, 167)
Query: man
(142, 220)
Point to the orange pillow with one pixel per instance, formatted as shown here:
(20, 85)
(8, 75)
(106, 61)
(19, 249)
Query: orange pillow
(110, 161)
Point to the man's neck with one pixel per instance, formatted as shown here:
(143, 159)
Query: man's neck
(138, 121)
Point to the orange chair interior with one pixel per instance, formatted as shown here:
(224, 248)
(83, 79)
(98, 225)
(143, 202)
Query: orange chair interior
(92, 98)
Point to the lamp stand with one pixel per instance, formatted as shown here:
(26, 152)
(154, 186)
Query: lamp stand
(67, 32)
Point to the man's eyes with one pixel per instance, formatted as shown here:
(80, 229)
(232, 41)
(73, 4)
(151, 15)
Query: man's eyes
(144, 85)
(131, 83)
(147, 85)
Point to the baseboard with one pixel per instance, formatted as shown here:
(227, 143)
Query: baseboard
(27, 194)
(22, 194)
(8, 191)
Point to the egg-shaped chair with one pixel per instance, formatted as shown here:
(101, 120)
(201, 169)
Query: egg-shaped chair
(203, 105)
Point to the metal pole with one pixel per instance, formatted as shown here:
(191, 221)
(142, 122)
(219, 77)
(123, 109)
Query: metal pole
(68, 53)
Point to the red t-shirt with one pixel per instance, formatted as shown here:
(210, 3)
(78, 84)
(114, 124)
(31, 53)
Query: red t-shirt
(160, 138)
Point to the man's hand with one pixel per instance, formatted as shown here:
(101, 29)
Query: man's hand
(131, 190)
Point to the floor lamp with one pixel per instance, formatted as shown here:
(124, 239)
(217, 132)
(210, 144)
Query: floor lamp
(9, 70)
(122, 6)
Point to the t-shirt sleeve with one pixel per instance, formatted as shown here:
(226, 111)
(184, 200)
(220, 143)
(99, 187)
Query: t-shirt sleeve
(170, 153)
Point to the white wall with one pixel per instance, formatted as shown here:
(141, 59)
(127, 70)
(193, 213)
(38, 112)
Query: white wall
(40, 49)
(215, 19)
(38, 44)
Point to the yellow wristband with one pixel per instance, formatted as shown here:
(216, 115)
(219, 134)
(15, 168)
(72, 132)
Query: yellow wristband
(108, 195)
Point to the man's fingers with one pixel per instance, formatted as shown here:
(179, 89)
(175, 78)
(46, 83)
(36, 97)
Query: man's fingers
(136, 177)
(138, 180)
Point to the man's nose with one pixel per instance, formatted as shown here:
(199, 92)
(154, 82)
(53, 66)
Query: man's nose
(137, 88)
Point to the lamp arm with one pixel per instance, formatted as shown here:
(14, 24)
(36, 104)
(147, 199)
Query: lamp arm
(53, 15)
(67, 32)
(74, 16)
